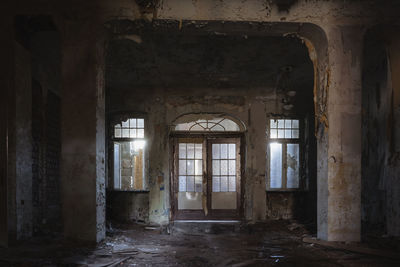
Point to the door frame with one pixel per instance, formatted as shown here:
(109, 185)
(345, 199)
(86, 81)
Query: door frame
(200, 214)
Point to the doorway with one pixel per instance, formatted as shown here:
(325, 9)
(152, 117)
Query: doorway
(206, 181)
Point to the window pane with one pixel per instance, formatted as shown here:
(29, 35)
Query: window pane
(216, 183)
(224, 167)
(190, 151)
(125, 124)
(198, 151)
(133, 133)
(216, 151)
(224, 183)
(232, 167)
(281, 123)
(198, 167)
(182, 183)
(288, 133)
(273, 124)
(182, 167)
(140, 123)
(198, 183)
(281, 133)
(190, 184)
(125, 133)
(275, 165)
(224, 151)
(295, 124)
(132, 123)
(295, 134)
(274, 133)
(216, 167)
(182, 151)
(293, 162)
(190, 167)
(232, 183)
(140, 133)
(232, 151)
(117, 133)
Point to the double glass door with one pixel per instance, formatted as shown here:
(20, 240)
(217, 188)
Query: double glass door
(206, 179)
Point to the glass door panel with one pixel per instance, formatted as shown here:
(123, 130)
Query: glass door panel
(224, 175)
(190, 175)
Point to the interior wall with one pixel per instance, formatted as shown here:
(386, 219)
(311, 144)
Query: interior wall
(251, 106)
(128, 206)
(380, 158)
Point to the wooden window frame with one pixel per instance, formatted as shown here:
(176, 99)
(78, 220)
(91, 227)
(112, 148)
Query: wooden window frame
(285, 142)
(114, 119)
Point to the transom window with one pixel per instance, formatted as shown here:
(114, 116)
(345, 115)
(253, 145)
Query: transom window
(284, 128)
(284, 154)
(129, 154)
(130, 128)
(217, 124)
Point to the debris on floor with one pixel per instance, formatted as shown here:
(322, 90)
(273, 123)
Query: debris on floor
(271, 243)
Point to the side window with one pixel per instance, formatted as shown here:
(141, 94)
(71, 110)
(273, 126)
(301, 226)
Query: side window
(129, 149)
(284, 154)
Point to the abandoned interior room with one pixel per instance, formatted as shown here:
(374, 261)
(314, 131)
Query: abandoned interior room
(200, 133)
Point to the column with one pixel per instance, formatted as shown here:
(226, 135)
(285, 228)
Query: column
(83, 131)
(344, 134)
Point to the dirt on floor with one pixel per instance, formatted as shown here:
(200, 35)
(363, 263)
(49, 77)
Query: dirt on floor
(277, 243)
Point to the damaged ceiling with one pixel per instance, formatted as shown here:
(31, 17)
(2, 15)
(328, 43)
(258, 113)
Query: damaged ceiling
(175, 59)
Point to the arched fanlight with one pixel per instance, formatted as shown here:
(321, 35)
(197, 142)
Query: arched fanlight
(207, 123)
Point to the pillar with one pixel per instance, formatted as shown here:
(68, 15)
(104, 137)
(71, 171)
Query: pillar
(6, 80)
(344, 135)
(83, 130)
(16, 139)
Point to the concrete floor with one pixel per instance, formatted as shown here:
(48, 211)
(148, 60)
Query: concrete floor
(274, 243)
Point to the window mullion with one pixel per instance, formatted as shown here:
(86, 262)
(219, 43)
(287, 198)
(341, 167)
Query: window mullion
(284, 165)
